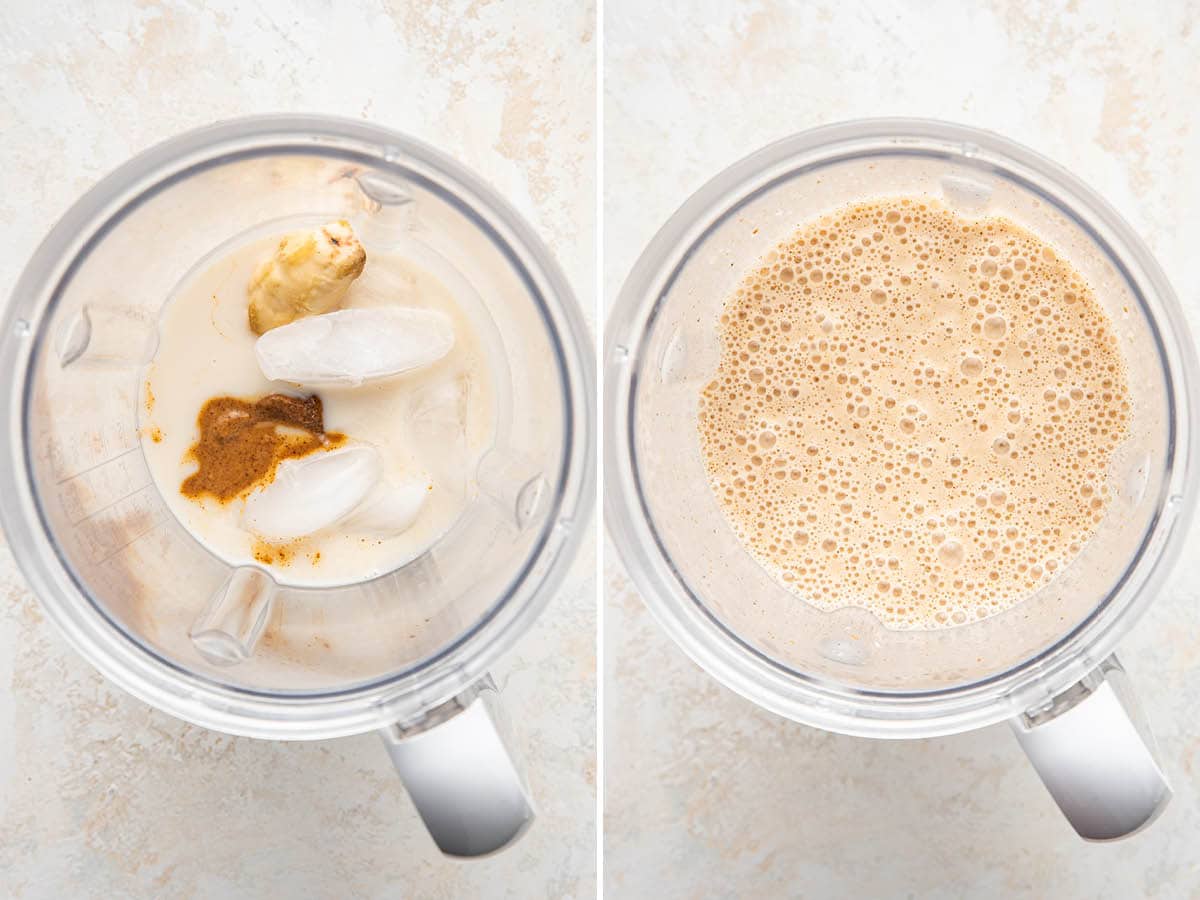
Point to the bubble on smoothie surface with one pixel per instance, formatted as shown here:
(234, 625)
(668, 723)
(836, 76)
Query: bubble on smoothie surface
(914, 413)
(308, 274)
(354, 346)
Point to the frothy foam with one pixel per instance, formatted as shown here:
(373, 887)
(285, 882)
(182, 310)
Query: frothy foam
(914, 413)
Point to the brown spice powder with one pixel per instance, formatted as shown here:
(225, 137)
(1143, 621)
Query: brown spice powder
(243, 441)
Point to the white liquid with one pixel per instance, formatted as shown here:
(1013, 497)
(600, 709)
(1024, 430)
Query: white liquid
(438, 420)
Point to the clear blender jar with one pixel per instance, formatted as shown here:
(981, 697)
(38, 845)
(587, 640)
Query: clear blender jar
(231, 648)
(1045, 665)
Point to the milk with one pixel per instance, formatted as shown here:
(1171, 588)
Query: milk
(436, 421)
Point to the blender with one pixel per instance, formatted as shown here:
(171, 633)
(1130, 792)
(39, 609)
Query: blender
(1046, 665)
(235, 648)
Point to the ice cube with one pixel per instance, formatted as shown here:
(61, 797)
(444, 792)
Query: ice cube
(437, 417)
(441, 405)
(353, 346)
(312, 492)
(386, 285)
(390, 508)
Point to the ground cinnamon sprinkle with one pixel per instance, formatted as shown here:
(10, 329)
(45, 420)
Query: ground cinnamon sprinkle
(243, 441)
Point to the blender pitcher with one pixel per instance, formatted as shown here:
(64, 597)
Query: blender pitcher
(235, 649)
(1045, 665)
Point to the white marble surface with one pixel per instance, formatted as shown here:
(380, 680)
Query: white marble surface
(706, 794)
(102, 796)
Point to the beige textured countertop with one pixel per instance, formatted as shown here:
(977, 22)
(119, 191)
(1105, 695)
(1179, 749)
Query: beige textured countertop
(710, 796)
(102, 796)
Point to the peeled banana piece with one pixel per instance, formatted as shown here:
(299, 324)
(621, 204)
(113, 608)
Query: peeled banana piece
(308, 274)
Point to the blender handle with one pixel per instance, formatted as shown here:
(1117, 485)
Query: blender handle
(460, 774)
(1092, 749)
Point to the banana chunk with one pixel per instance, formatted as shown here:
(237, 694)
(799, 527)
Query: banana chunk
(308, 274)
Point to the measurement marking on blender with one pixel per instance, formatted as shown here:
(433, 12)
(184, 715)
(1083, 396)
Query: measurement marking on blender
(106, 506)
(108, 532)
(133, 540)
(101, 486)
(135, 448)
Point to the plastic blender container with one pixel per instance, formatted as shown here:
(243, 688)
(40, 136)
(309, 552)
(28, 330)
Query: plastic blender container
(230, 648)
(1046, 665)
